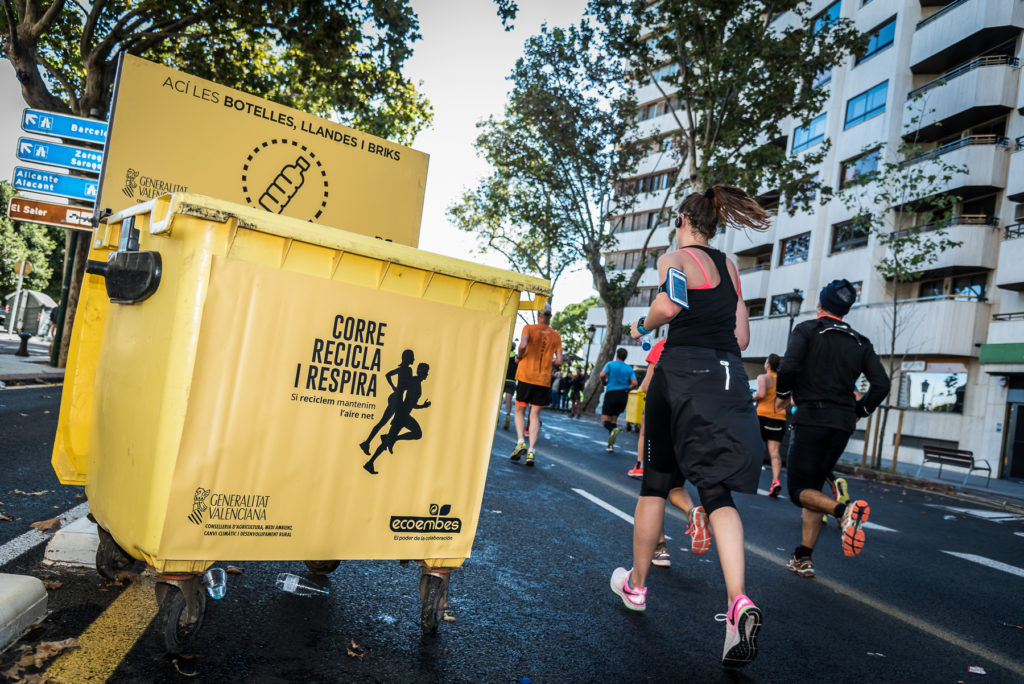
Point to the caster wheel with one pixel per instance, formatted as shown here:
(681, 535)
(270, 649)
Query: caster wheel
(177, 630)
(434, 594)
(322, 567)
(111, 558)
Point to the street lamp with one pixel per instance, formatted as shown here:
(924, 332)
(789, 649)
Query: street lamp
(591, 330)
(793, 301)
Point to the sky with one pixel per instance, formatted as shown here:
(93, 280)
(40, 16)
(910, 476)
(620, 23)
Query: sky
(463, 61)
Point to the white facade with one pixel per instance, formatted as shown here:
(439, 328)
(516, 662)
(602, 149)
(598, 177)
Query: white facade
(966, 313)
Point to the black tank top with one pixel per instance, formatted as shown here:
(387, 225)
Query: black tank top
(710, 321)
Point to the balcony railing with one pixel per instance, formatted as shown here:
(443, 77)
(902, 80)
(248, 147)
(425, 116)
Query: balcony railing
(1014, 231)
(992, 139)
(755, 268)
(1016, 316)
(1020, 144)
(926, 21)
(958, 220)
(961, 70)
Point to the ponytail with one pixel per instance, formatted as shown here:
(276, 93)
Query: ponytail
(723, 205)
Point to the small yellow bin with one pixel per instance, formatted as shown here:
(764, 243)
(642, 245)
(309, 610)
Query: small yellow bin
(231, 405)
(635, 408)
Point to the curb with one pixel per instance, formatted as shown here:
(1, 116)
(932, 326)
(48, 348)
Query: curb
(22, 604)
(21, 379)
(1006, 504)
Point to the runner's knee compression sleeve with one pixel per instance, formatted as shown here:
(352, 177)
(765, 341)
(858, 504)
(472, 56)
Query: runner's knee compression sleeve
(608, 425)
(715, 497)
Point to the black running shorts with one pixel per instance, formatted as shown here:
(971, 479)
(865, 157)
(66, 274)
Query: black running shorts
(614, 402)
(771, 429)
(534, 395)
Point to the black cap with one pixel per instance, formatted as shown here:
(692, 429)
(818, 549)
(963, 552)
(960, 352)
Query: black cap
(837, 297)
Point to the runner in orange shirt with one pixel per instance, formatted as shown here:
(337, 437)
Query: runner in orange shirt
(773, 422)
(540, 349)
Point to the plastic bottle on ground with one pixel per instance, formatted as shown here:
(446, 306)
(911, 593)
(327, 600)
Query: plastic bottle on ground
(215, 581)
(293, 584)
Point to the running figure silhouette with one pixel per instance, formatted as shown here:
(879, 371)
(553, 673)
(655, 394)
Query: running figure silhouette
(400, 410)
(404, 373)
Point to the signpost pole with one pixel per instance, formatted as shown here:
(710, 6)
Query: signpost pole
(17, 296)
(69, 264)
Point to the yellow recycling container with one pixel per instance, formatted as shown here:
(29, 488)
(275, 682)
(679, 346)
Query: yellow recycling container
(635, 408)
(243, 385)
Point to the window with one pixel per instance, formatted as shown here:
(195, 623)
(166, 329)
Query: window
(940, 386)
(858, 286)
(780, 304)
(932, 288)
(858, 170)
(881, 38)
(972, 287)
(849, 235)
(811, 134)
(823, 77)
(794, 249)
(827, 17)
(755, 308)
(866, 105)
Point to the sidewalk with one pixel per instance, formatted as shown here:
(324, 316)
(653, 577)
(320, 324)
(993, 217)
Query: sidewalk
(31, 369)
(1005, 494)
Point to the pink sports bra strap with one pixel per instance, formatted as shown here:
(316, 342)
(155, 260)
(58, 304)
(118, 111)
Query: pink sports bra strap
(707, 281)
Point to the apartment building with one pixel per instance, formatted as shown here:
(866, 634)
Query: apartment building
(960, 346)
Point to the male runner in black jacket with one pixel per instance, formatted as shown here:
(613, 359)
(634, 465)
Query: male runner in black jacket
(824, 358)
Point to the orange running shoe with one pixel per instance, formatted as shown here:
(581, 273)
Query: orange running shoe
(855, 515)
(700, 533)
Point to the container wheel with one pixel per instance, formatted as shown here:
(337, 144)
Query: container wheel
(322, 567)
(178, 630)
(433, 592)
(110, 558)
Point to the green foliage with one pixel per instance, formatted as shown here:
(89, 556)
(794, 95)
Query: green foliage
(738, 78)
(42, 246)
(571, 324)
(337, 60)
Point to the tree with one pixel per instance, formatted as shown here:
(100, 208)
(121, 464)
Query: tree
(898, 199)
(526, 230)
(337, 60)
(731, 78)
(571, 324)
(41, 246)
(566, 136)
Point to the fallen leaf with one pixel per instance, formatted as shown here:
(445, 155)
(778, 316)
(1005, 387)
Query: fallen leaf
(18, 491)
(46, 650)
(79, 496)
(128, 575)
(233, 570)
(51, 525)
(54, 584)
(12, 673)
(35, 679)
(181, 672)
(355, 650)
(6, 518)
(448, 616)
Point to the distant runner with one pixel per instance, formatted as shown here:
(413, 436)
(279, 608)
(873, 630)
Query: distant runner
(540, 349)
(619, 378)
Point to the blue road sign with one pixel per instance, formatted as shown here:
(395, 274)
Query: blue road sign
(42, 152)
(59, 184)
(64, 126)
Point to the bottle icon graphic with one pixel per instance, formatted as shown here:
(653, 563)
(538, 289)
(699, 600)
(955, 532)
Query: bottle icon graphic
(283, 188)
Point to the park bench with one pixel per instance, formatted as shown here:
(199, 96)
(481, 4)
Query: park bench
(954, 457)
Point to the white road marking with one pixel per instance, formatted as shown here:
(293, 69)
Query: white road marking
(994, 516)
(877, 528)
(988, 562)
(34, 537)
(608, 507)
(1019, 534)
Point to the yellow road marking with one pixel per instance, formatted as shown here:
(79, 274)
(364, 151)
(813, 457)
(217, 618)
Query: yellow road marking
(1013, 665)
(104, 644)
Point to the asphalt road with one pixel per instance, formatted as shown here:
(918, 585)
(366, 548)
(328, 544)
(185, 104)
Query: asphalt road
(533, 601)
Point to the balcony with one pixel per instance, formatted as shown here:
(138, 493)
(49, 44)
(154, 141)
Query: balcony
(754, 281)
(768, 335)
(979, 238)
(1010, 271)
(946, 325)
(981, 162)
(978, 91)
(1006, 328)
(752, 242)
(1015, 178)
(963, 27)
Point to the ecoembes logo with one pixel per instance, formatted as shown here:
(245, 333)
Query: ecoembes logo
(437, 522)
(216, 506)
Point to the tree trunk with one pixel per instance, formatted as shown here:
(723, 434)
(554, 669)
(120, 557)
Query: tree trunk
(613, 321)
